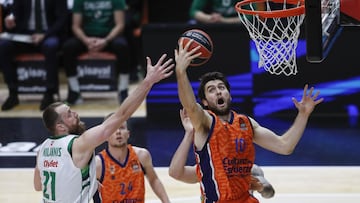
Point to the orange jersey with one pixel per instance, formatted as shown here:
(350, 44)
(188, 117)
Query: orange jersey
(224, 164)
(121, 182)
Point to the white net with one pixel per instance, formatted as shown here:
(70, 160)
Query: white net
(275, 33)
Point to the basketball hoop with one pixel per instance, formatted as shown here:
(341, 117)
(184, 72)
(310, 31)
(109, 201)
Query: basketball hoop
(275, 32)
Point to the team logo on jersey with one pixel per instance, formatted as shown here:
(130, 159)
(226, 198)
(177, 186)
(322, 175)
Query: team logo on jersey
(242, 124)
(135, 166)
(97, 14)
(112, 171)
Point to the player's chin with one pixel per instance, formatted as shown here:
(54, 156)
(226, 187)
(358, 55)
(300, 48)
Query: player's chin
(221, 110)
(221, 107)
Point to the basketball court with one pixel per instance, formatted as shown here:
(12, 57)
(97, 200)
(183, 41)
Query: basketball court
(325, 20)
(291, 184)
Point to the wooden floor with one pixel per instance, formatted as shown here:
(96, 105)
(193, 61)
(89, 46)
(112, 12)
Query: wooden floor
(292, 185)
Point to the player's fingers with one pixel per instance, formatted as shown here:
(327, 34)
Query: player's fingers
(316, 95)
(311, 91)
(168, 62)
(305, 91)
(181, 42)
(319, 101)
(160, 61)
(187, 45)
(148, 61)
(168, 69)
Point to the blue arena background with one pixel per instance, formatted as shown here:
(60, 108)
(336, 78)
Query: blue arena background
(255, 91)
(333, 132)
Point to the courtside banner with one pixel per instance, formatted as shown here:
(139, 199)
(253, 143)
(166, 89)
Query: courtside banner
(97, 75)
(31, 76)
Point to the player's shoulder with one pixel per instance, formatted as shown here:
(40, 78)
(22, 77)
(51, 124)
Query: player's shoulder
(140, 150)
(142, 153)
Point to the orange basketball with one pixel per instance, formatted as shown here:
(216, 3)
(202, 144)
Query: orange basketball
(201, 39)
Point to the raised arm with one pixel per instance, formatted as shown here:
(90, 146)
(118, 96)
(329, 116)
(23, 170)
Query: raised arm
(183, 57)
(286, 143)
(178, 169)
(90, 139)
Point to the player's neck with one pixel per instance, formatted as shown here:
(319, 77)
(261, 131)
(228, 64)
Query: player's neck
(119, 153)
(225, 118)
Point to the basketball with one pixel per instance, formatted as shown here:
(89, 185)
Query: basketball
(201, 39)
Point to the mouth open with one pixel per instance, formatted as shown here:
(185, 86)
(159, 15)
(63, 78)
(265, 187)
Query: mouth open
(221, 102)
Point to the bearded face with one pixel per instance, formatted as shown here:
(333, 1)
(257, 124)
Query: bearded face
(220, 107)
(77, 129)
(217, 97)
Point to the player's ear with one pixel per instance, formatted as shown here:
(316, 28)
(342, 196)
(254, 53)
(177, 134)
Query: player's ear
(204, 102)
(60, 127)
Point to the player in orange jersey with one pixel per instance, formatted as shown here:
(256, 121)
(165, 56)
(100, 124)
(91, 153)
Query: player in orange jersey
(121, 168)
(187, 174)
(224, 140)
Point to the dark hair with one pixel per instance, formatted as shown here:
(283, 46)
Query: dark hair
(208, 77)
(50, 117)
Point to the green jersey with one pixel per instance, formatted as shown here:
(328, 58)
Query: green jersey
(98, 15)
(62, 181)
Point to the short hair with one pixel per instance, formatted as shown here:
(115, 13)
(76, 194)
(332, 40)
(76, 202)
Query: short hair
(110, 114)
(208, 77)
(50, 117)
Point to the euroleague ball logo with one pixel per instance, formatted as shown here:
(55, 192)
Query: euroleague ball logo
(202, 39)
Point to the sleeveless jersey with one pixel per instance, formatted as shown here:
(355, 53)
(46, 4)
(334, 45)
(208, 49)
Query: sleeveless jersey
(62, 181)
(121, 182)
(224, 164)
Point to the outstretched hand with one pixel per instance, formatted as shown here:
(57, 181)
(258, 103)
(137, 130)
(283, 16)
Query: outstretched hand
(186, 122)
(160, 70)
(308, 101)
(184, 56)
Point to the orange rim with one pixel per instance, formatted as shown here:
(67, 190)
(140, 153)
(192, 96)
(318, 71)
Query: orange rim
(273, 14)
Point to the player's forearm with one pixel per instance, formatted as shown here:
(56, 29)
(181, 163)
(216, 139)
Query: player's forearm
(116, 31)
(178, 162)
(79, 33)
(185, 91)
(231, 20)
(159, 190)
(294, 134)
(202, 17)
(134, 100)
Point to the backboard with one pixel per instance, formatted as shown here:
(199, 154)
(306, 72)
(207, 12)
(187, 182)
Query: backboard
(323, 23)
(350, 12)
